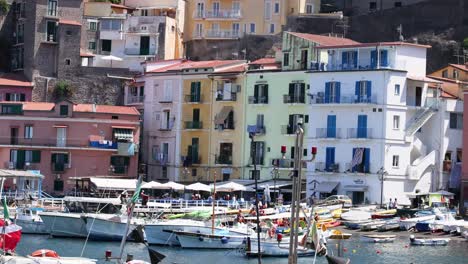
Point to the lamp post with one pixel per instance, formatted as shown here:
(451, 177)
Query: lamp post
(381, 173)
(252, 130)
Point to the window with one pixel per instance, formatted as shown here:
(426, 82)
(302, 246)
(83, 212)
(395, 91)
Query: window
(52, 8)
(93, 25)
(286, 59)
(15, 97)
(20, 158)
(397, 89)
(252, 27)
(296, 93)
(395, 161)
(92, 45)
(120, 164)
(144, 12)
(396, 122)
(64, 110)
(115, 117)
(60, 161)
(198, 30)
(455, 74)
(363, 92)
(20, 33)
(195, 92)
(330, 159)
(445, 73)
(194, 172)
(51, 31)
(17, 58)
(164, 171)
(310, 8)
(67, 61)
(372, 6)
(456, 120)
(272, 28)
(349, 59)
(11, 109)
(255, 174)
(225, 153)
(332, 92)
(111, 24)
(259, 147)
(267, 10)
(277, 7)
(398, 4)
(459, 155)
(28, 132)
(58, 185)
(106, 45)
(68, 32)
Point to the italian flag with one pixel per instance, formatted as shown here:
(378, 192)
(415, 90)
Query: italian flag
(10, 234)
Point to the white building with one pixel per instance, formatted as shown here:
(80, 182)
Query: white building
(372, 114)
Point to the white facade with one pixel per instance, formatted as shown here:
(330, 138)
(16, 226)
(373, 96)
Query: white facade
(380, 107)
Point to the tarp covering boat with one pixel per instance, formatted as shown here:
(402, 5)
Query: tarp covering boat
(10, 235)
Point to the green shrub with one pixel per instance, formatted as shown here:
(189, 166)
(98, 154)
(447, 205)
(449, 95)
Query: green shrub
(62, 90)
(4, 6)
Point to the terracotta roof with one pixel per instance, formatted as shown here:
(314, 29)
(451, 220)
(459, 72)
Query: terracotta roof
(69, 22)
(460, 67)
(175, 66)
(38, 106)
(207, 64)
(324, 40)
(106, 109)
(121, 6)
(239, 68)
(84, 53)
(374, 44)
(450, 88)
(263, 61)
(12, 79)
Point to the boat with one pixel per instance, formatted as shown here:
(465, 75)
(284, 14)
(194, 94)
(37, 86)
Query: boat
(274, 249)
(328, 224)
(378, 238)
(356, 215)
(355, 224)
(337, 234)
(160, 233)
(389, 225)
(60, 224)
(372, 225)
(406, 224)
(218, 240)
(30, 221)
(45, 260)
(107, 227)
(384, 214)
(428, 241)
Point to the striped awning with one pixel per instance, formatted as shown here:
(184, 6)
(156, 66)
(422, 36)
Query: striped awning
(123, 134)
(221, 117)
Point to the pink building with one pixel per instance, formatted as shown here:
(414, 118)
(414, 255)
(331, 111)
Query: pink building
(15, 87)
(464, 176)
(66, 140)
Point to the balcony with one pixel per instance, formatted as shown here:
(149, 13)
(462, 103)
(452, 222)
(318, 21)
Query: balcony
(294, 99)
(222, 34)
(231, 98)
(332, 167)
(140, 52)
(283, 163)
(360, 168)
(162, 158)
(191, 159)
(319, 98)
(193, 98)
(359, 133)
(167, 127)
(258, 99)
(224, 159)
(328, 133)
(223, 14)
(54, 143)
(143, 24)
(290, 129)
(257, 129)
(193, 125)
(14, 165)
(165, 99)
(362, 65)
(134, 99)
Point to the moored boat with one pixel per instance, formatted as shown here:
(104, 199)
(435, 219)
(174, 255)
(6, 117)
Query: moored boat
(429, 241)
(218, 240)
(107, 228)
(378, 238)
(275, 249)
(406, 224)
(30, 221)
(64, 224)
(372, 225)
(160, 233)
(390, 225)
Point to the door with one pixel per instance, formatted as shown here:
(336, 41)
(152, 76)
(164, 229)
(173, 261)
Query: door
(200, 9)
(14, 136)
(199, 30)
(358, 197)
(165, 152)
(194, 154)
(418, 95)
(195, 92)
(304, 56)
(235, 29)
(236, 8)
(362, 126)
(331, 126)
(61, 136)
(196, 118)
(144, 45)
(216, 9)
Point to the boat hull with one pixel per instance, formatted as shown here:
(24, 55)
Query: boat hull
(430, 242)
(205, 241)
(32, 227)
(64, 225)
(160, 234)
(106, 230)
(275, 249)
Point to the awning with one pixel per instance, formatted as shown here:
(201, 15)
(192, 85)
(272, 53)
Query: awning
(326, 187)
(123, 134)
(113, 184)
(124, 127)
(20, 173)
(221, 117)
(60, 126)
(355, 188)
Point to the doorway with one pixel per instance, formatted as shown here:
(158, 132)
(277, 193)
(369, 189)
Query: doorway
(14, 136)
(418, 98)
(304, 56)
(144, 45)
(357, 197)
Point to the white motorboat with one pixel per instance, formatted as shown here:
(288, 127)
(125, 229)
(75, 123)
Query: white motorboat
(107, 227)
(356, 215)
(378, 238)
(372, 225)
(30, 221)
(64, 224)
(406, 224)
(160, 233)
(220, 239)
(429, 241)
(44, 260)
(275, 249)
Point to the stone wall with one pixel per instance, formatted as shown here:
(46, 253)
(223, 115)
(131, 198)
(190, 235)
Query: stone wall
(6, 33)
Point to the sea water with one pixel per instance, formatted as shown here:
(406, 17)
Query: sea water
(399, 252)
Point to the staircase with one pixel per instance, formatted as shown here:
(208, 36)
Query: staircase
(420, 165)
(420, 118)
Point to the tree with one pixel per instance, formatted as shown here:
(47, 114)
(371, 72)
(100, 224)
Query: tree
(62, 90)
(4, 6)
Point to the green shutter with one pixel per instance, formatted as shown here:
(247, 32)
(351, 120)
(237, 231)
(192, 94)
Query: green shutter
(36, 156)
(54, 158)
(65, 158)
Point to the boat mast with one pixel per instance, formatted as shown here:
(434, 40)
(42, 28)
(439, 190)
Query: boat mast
(213, 205)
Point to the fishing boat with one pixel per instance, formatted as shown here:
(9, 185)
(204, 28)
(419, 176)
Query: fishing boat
(378, 238)
(406, 224)
(428, 241)
(107, 227)
(372, 225)
(218, 240)
(393, 224)
(274, 249)
(384, 214)
(356, 215)
(30, 221)
(60, 224)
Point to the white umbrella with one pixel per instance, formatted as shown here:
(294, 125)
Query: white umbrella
(198, 187)
(152, 185)
(174, 186)
(231, 187)
(111, 58)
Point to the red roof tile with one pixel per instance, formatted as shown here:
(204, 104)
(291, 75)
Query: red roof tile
(69, 22)
(238, 68)
(460, 67)
(121, 6)
(38, 106)
(175, 66)
(207, 64)
(11, 79)
(362, 45)
(263, 61)
(324, 40)
(106, 109)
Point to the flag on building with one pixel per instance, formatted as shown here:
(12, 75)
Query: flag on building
(357, 157)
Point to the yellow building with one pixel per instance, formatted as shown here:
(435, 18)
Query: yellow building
(231, 19)
(212, 116)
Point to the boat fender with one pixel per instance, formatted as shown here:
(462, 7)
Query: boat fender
(45, 253)
(224, 240)
(279, 237)
(200, 238)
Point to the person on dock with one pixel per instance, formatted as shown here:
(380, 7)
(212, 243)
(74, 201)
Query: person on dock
(395, 204)
(390, 204)
(144, 198)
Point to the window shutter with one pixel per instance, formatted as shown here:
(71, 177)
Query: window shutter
(306, 119)
(357, 92)
(65, 158)
(453, 120)
(7, 97)
(369, 89)
(344, 57)
(338, 92)
(384, 58)
(291, 89)
(331, 126)
(265, 93)
(256, 91)
(355, 53)
(22, 97)
(36, 156)
(353, 169)
(373, 58)
(54, 158)
(327, 92)
(293, 153)
(366, 160)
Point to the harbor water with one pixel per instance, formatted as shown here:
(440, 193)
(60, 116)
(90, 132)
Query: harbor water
(399, 252)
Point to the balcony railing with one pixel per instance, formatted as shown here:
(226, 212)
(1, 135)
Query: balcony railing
(140, 52)
(162, 158)
(193, 98)
(290, 129)
(218, 14)
(360, 168)
(258, 99)
(233, 97)
(294, 99)
(12, 165)
(345, 99)
(328, 132)
(191, 159)
(193, 125)
(323, 166)
(360, 133)
(283, 163)
(222, 34)
(132, 99)
(259, 130)
(143, 24)
(53, 142)
(224, 159)
(361, 66)
(166, 99)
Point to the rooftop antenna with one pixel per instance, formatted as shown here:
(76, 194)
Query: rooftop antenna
(343, 24)
(400, 33)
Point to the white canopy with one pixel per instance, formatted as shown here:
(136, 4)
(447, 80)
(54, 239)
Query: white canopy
(92, 200)
(114, 184)
(152, 185)
(231, 187)
(174, 186)
(19, 173)
(111, 58)
(198, 187)
(163, 186)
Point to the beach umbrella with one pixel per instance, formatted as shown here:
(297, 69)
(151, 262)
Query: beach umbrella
(174, 186)
(231, 187)
(198, 187)
(111, 58)
(152, 185)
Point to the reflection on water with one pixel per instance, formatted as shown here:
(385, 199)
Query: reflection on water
(398, 252)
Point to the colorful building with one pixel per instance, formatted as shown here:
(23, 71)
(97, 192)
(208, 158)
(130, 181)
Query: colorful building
(66, 140)
(15, 87)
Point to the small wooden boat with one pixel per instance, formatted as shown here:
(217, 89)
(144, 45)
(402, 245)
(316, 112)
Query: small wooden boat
(389, 225)
(428, 241)
(355, 224)
(372, 225)
(378, 238)
(337, 234)
(384, 214)
(328, 224)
